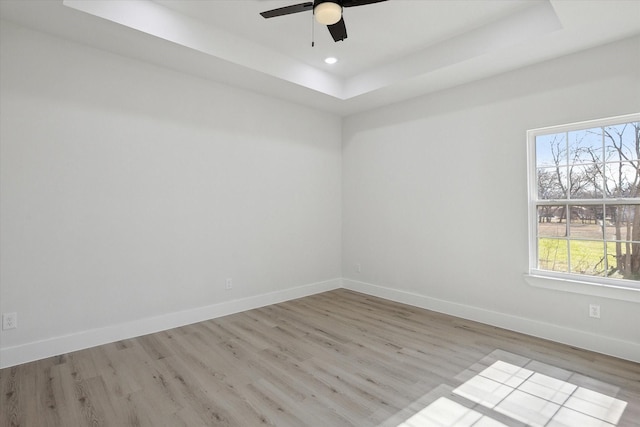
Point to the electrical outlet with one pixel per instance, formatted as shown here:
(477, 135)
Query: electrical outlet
(9, 321)
(358, 268)
(594, 311)
(229, 284)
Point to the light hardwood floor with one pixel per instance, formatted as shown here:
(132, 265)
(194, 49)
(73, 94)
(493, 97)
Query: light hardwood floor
(338, 358)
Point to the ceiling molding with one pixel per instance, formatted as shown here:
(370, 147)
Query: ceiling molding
(257, 54)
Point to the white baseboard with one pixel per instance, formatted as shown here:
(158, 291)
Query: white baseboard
(29, 352)
(599, 343)
(24, 353)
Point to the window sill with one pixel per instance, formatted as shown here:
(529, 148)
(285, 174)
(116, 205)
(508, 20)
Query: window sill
(584, 288)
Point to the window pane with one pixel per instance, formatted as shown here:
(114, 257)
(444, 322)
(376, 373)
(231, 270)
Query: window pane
(587, 257)
(619, 221)
(624, 260)
(622, 225)
(551, 221)
(551, 150)
(585, 146)
(622, 179)
(552, 183)
(609, 231)
(592, 178)
(586, 182)
(621, 141)
(552, 255)
(586, 222)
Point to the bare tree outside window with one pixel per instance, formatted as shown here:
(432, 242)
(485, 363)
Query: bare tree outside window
(588, 201)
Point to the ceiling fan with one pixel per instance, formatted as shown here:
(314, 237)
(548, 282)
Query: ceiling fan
(327, 12)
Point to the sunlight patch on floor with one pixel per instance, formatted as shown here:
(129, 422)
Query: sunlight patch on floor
(540, 400)
(518, 392)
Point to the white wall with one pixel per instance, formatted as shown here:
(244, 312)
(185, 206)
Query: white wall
(435, 197)
(130, 192)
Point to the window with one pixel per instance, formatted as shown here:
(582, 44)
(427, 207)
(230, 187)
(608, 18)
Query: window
(584, 201)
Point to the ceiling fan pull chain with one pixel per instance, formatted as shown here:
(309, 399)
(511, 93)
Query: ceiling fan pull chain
(313, 32)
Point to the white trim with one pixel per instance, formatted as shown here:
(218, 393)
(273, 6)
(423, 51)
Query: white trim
(29, 352)
(24, 353)
(609, 121)
(599, 343)
(570, 282)
(583, 287)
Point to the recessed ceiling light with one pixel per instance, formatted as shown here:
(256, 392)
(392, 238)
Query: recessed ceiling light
(331, 60)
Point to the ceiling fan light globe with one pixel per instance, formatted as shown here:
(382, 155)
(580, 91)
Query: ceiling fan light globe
(328, 13)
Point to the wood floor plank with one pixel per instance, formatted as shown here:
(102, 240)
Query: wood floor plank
(48, 406)
(339, 358)
(10, 407)
(276, 407)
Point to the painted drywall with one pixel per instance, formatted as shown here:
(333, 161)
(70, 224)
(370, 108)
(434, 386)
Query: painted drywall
(435, 196)
(131, 192)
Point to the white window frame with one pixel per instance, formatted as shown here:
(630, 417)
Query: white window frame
(628, 290)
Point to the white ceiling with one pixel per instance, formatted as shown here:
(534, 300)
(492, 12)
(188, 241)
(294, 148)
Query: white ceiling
(395, 50)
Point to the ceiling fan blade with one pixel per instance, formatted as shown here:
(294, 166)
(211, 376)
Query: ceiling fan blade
(351, 3)
(338, 30)
(287, 10)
